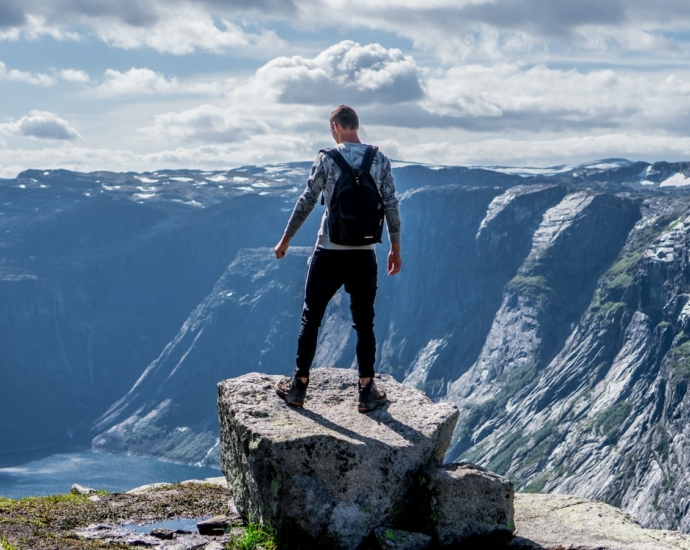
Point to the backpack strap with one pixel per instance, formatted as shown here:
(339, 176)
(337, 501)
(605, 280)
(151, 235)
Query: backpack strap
(368, 158)
(337, 158)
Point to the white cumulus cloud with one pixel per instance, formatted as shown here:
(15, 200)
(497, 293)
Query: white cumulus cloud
(26, 77)
(141, 81)
(183, 30)
(75, 75)
(344, 73)
(136, 82)
(36, 27)
(41, 125)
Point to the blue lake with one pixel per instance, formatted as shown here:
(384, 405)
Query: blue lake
(57, 473)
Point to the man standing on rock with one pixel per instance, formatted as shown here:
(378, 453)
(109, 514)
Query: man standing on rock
(339, 173)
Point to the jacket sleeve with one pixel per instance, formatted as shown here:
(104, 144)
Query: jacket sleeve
(391, 207)
(308, 199)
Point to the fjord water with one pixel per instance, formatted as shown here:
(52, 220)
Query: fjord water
(55, 474)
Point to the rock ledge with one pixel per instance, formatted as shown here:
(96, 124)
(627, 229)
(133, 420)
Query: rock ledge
(327, 474)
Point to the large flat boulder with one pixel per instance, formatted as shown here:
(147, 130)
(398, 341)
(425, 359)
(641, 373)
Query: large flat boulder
(326, 474)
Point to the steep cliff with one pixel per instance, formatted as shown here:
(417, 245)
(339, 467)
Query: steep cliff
(552, 308)
(606, 417)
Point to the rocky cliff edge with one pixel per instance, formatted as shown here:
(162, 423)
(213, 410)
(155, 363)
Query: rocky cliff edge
(328, 476)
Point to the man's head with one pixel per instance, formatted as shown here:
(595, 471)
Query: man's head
(344, 124)
(346, 117)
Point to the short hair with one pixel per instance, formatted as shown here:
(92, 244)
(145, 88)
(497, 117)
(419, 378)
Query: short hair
(346, 117)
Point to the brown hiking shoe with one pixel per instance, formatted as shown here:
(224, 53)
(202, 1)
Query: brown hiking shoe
(292, 390)
(370, 397)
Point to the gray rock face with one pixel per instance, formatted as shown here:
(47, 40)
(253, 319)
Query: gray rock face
(555, 522)
(267, 296)
(606, 418)
(326, 473)
(465, 500)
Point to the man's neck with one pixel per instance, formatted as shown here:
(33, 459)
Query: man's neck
(348, 137)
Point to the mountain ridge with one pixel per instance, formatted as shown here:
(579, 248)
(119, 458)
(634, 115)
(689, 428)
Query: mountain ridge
(126, 297)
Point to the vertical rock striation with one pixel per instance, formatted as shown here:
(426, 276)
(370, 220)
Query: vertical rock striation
(606, 418)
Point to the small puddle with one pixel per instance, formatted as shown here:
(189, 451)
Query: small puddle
(182, 524)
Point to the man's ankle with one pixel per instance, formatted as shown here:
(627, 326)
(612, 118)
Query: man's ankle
(303, 379)
(364, 381)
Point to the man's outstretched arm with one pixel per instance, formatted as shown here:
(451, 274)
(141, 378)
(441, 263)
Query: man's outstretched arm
(305, 204)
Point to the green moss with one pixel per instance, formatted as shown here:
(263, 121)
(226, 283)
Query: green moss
(6, 544)
(395, 536)
(501, 462)
(542, 443)
(536, 288)
(519, 379)
(533, 448)
(615, 283)
(475, 453)
(56, 499)
(626, 263)
(480, 413)
(609, 421)
(668, 481)
(610, 312)
(679, 357)
(615, 501)
(254, 537)
(538, 484)
(663, 444)
(622, 281)
(512, 382)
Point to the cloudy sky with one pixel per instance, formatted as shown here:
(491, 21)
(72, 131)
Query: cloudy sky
(147, 84)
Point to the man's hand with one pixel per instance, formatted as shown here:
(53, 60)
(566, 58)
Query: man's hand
(394, 259)
(281, 248)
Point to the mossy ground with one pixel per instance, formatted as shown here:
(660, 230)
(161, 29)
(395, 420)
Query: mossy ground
(45, 522)
(254, 537)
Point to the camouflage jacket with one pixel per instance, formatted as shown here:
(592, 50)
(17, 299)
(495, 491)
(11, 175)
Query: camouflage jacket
(324, 174)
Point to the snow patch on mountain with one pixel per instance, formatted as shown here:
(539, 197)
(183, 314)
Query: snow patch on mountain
(676, 180)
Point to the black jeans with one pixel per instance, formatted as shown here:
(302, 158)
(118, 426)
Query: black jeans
(328, 271)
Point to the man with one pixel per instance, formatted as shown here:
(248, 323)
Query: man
(334, 265)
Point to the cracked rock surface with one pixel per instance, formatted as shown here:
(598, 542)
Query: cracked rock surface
(326, 473)
(556, 522)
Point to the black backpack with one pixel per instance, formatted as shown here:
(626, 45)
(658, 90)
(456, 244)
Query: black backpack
(356, 208)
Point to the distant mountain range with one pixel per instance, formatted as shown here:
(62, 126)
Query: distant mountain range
(552, 305)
